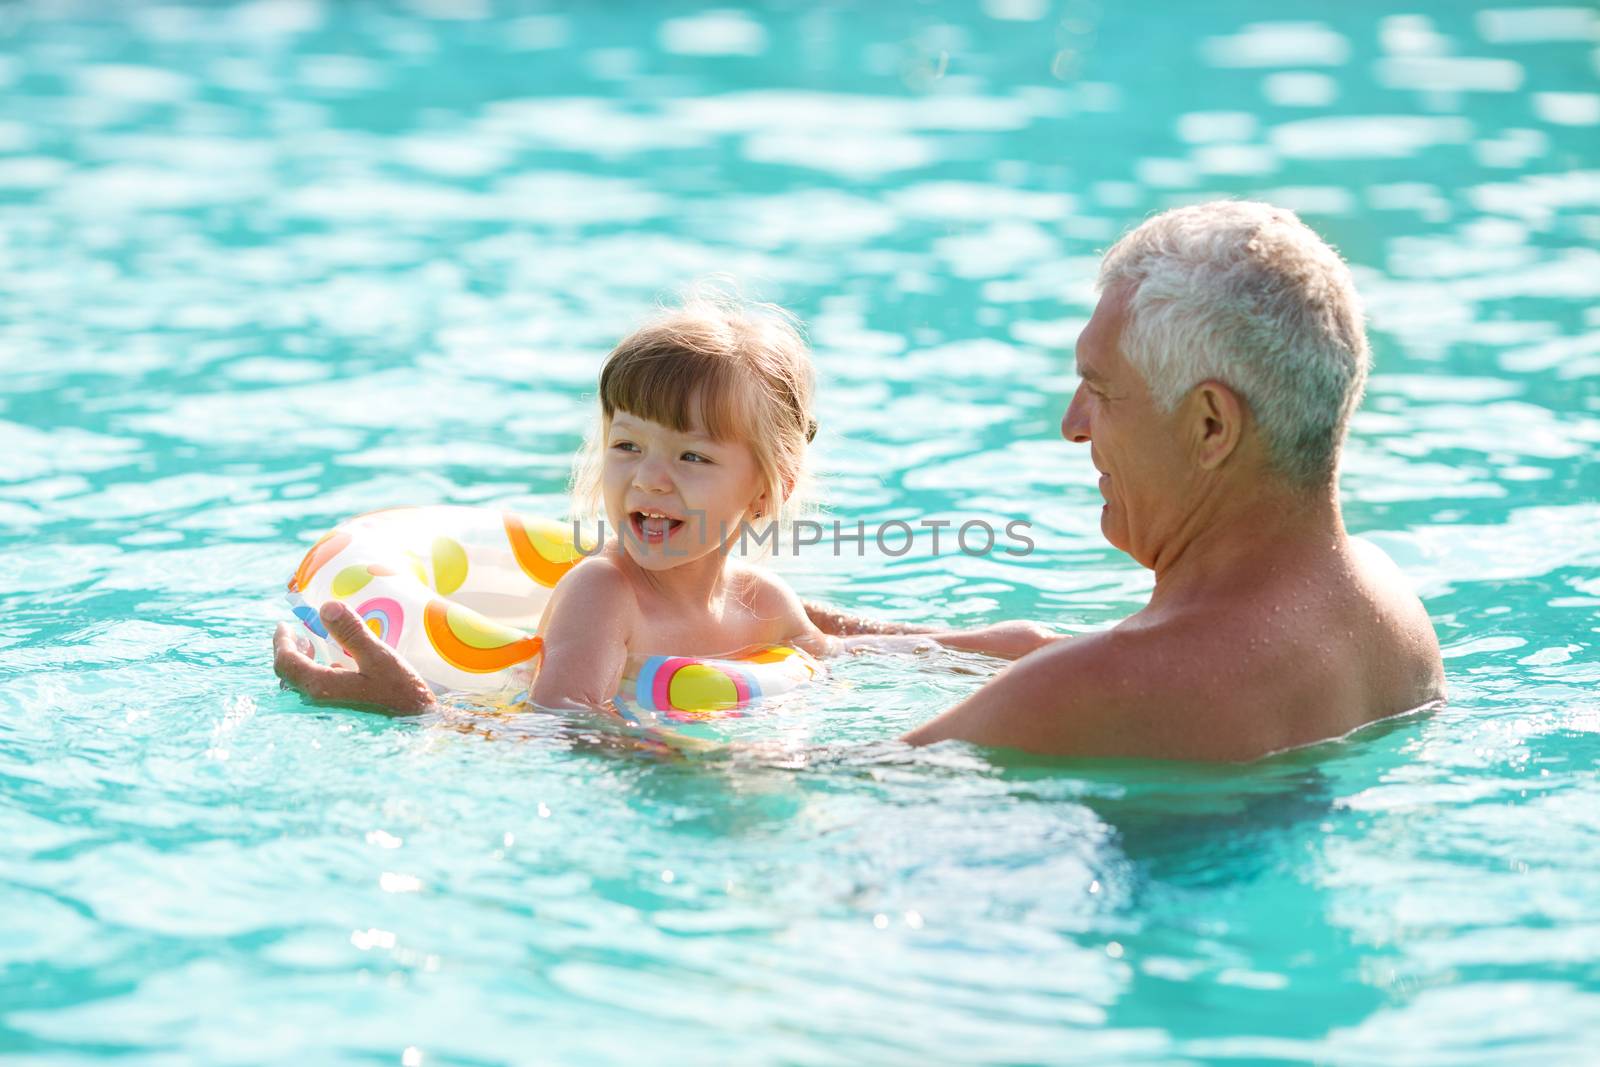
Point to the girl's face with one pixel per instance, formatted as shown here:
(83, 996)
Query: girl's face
(674, 497)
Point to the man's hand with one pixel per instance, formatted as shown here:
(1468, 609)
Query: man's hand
(381, 679)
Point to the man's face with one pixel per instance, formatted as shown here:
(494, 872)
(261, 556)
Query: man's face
(1143, 469)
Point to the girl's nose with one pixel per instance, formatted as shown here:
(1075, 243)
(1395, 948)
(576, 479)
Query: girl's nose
(1075, 423)
(650, 476)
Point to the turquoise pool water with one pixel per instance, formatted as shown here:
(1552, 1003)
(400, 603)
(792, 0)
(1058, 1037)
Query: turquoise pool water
(266, 265)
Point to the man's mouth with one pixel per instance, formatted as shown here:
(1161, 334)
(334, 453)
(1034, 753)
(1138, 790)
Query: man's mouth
(653, 527)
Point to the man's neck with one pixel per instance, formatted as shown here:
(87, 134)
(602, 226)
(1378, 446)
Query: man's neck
(1245, 534)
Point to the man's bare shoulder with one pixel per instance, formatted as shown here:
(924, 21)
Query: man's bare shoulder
(1402, 649)
(1385, 585)
(1121, 692)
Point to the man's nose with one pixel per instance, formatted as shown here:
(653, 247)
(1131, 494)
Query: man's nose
(1075, 423)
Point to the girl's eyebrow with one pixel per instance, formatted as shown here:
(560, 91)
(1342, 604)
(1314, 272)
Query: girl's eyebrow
(632, 424)
(695, 432)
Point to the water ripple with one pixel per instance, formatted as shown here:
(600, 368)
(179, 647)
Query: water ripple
(268, 264)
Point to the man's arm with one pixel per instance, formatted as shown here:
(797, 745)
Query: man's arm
(1007, 640)
(842, 624)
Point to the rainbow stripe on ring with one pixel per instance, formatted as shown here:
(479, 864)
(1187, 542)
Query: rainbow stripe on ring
(385, 617)
(686, 690)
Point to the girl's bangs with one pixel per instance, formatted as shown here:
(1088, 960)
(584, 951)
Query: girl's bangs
(681, 390)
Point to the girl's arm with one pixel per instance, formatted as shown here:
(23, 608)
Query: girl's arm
(586, 628)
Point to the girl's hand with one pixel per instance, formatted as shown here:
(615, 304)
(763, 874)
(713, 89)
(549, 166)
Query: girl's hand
(380, 679)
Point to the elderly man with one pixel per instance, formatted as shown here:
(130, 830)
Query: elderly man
(1218, 374)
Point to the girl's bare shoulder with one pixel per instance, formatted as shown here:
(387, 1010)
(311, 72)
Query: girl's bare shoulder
(598, 584)
(768, 597)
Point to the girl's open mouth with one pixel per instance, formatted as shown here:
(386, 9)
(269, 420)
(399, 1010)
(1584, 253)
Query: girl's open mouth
(653, 528)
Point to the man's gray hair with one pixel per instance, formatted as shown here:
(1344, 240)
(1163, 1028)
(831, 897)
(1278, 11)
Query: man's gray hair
(1246, 294)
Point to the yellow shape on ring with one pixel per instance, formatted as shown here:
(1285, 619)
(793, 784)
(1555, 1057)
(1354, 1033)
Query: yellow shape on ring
(350, 580)
(449, 565)
(698, 687)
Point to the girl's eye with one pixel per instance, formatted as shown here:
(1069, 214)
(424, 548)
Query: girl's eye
(625, 446)
(695, 457)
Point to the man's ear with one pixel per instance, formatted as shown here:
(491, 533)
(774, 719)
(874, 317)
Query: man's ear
(1216, 422)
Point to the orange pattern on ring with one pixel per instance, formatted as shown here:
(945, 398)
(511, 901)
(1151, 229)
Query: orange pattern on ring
(466, 657)
(534, 563)
(330, 545)
(775, 654)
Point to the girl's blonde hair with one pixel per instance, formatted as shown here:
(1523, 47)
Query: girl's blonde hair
(740, 370)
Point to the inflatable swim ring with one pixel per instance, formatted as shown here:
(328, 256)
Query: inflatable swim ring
(680, 691)
(458, 593)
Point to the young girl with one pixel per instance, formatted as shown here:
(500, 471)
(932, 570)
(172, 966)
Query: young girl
(706, 414)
